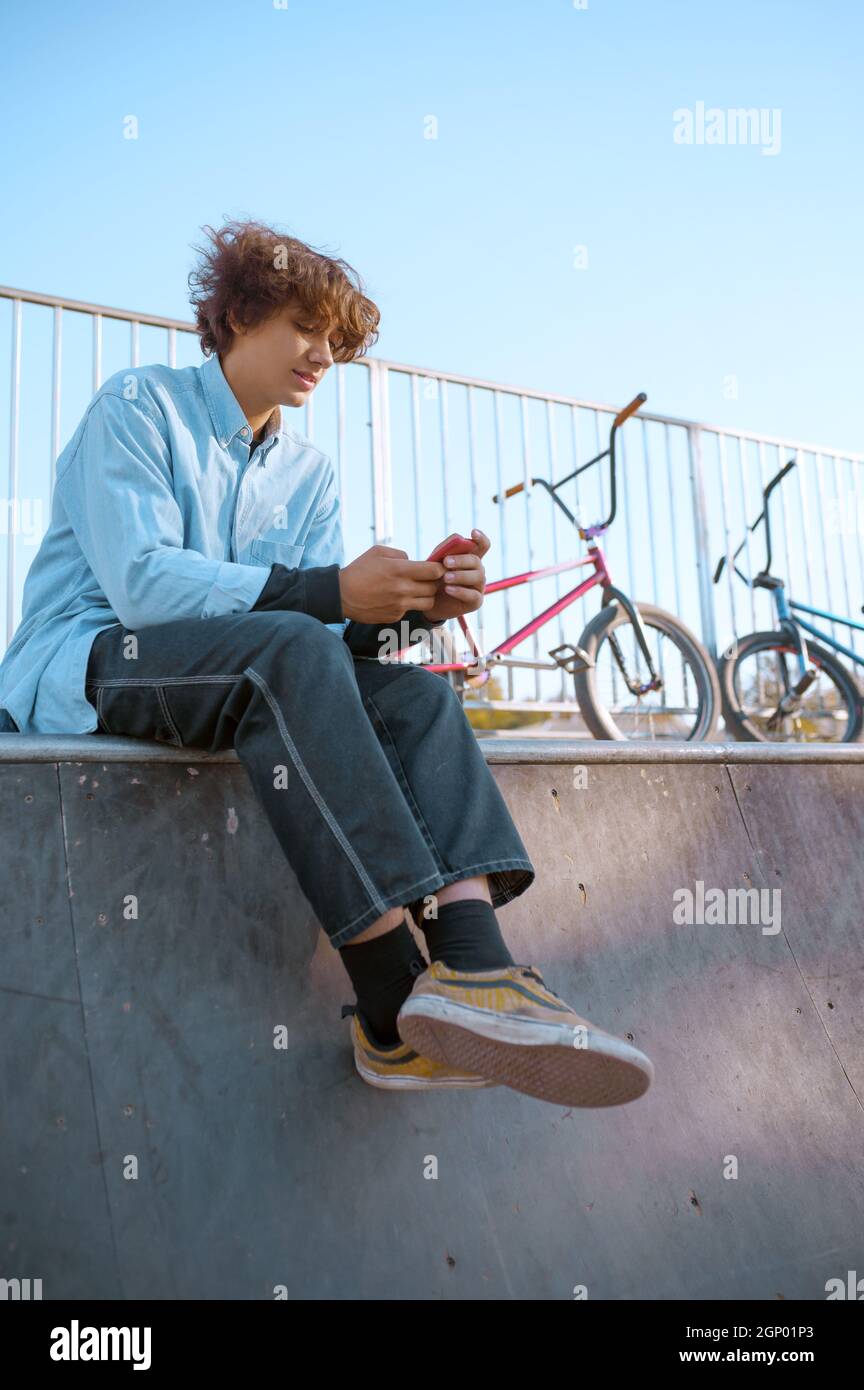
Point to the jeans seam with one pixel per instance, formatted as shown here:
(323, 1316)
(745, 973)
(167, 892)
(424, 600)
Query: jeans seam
(406, 786)
(324, 809)
(165, 680)
(100, 718)
(163, 705)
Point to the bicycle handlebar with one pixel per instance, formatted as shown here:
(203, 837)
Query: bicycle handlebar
(511, 491)
(629, 410)
(778, 478)
(636, 404)
(766, 493)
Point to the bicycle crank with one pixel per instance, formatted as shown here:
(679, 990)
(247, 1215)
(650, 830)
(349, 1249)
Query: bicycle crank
(789, 704)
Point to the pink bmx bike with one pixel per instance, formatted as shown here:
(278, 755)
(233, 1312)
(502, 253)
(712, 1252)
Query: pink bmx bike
(638, 671)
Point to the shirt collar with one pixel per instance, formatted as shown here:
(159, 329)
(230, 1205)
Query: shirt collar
(225, 412)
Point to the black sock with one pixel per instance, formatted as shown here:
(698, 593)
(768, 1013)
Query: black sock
(382, 975)
(466, 936)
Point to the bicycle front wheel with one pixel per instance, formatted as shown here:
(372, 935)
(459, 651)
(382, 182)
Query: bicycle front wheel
(687, 705)
(757, 672)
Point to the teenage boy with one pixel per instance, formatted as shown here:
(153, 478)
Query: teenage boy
(192, 588)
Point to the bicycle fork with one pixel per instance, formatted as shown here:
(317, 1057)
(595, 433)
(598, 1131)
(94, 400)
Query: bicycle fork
(808, 673)
(634, 686)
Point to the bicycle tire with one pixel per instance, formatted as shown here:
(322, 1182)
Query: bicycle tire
(742, 727)
(597, 718)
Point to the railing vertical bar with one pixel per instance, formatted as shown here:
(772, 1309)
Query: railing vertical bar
(56, 387)
(676, 568)
(378, 504)
(829, 602)
(727, 540)
(804, 507)
(600, 477)
(655, 590)
(135, 330)
(384, 389)
(14, 430)
(502, 530)
(700, 534)
(790, 578)
(97, 352)
(340, 425)
(635, 655)
(601, 467)
(760, 598)
(743, 486)
(172, 347)
(416, 455)
(444, 421)
(472, 476)
(552, 446)
(472, 451)
(577, 502)
(526, 476)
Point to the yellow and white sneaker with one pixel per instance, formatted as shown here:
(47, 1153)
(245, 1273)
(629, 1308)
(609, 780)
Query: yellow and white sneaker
(507, 1025)
(397, 1067)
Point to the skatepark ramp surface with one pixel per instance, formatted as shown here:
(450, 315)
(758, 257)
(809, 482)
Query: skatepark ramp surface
(181, 1114)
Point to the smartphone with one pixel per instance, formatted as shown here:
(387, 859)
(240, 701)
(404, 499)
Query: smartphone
(454, 545)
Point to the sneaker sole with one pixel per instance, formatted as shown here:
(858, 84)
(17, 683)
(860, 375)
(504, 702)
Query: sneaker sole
(528, 1055)
(413, 1083)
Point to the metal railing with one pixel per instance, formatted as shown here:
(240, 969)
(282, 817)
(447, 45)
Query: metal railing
(419, 453)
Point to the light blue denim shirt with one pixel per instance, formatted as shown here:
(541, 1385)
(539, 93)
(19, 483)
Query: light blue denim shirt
(160, 513)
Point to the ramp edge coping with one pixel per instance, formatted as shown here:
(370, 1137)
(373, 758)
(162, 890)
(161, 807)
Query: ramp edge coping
(93, 748)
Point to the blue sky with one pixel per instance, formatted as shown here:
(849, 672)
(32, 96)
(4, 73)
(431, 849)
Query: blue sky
(705, 263)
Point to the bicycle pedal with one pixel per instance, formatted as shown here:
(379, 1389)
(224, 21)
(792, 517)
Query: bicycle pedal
(578, 654)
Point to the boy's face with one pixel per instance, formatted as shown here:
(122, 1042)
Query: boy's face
(286, 356)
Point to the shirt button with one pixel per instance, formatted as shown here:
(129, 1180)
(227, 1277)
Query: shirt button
(244, 431)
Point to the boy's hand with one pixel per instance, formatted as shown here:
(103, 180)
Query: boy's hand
(461, 589)
(382, 584)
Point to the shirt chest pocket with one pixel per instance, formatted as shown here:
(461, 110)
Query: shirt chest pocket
(263, 552)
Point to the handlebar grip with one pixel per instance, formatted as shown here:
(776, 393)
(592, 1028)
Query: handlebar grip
(719, 569)
(511, 491)
(636, 403)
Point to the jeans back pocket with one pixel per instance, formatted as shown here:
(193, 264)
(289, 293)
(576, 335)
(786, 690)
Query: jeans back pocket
(133, 709)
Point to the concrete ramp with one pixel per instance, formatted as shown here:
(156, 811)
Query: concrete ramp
(156, 1145)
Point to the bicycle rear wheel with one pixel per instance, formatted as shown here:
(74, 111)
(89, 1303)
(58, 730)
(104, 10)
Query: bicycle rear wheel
(686, 707)
(755, 674)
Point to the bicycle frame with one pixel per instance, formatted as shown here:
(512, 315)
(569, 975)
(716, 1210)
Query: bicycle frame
(478, 671)
(788, 621)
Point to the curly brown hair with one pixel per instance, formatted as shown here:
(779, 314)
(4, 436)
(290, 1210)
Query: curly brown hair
(252, 271)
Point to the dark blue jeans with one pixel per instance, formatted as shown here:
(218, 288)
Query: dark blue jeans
(369, 772)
